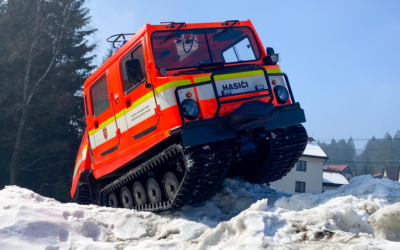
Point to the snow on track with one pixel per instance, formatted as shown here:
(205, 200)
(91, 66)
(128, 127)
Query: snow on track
(240, 216)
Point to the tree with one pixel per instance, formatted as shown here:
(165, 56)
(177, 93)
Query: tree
(44, 61)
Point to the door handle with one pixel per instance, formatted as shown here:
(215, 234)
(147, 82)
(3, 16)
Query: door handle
(96, 123)
(128, 101)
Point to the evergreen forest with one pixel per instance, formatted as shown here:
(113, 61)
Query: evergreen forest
(377, 153)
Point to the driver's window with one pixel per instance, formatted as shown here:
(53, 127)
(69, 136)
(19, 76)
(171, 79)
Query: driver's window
(137, 53)
(241, 51)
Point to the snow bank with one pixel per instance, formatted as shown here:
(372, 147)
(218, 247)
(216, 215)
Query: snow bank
(240, 216)
(386, 222)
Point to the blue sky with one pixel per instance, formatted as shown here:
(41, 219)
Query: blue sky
(342, 57)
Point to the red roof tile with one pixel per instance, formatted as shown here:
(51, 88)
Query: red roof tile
(378, 175)
(336, 167)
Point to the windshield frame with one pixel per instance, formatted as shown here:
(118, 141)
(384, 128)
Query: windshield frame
(208, 46)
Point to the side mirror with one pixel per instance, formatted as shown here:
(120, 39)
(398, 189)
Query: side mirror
(271, 58)
(134, 71)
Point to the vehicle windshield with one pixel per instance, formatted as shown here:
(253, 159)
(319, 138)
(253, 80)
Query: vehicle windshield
(178, 49)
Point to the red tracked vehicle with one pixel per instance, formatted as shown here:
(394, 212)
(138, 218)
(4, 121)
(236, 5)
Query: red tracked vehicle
(178, 108)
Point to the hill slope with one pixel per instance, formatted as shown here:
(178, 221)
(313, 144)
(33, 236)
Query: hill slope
(240, 216)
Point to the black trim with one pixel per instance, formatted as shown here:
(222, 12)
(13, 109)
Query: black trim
(145, 132)
(331, 184)
(205, 131)
(219, 129)
(109, 151)
(288, 115)
(317, 157)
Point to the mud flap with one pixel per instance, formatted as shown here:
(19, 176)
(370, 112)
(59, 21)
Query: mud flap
(256, 114)
(206, 131)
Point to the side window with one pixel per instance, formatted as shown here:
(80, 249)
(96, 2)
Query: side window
(241, 51)
(86, 106)
(99, 96)
(137, 53)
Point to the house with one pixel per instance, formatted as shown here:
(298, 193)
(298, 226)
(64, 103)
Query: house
(391, 173)
(332, 179)
(306, 176)
(343, 169)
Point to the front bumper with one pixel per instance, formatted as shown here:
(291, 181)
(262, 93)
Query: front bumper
(224, 128)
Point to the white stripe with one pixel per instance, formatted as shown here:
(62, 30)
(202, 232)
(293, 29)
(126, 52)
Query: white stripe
(140, 113)
(205, 92)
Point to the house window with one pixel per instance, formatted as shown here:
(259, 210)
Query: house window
(301, 166)
(300, 187)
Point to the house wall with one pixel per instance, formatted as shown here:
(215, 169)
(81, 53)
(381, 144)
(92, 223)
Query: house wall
(312, 177)
(324, 188)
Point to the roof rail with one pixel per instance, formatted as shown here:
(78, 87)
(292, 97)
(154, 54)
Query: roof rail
(172, 24)
(117, 37)
(229, 21)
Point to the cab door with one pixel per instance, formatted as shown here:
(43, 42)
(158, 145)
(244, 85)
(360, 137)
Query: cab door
(140, 103)
(103, 124)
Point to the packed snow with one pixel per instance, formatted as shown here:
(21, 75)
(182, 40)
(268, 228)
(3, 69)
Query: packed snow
(335, 178)
(362, 215)
(313, 149)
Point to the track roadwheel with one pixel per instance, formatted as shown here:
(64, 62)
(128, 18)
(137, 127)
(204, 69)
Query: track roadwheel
(126, 198)
(153, 191)
(139, 194)
(112, 200)
(171, 185)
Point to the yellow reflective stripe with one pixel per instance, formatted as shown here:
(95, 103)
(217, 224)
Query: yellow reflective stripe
(120, 114)
(139, 101)
(202, 79)
(102, 125)
(80, 157)
(237, 75)
(171, 85)
(272, 71)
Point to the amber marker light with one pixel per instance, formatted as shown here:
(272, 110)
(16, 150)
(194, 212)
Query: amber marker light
(189, 94)
(274, 82)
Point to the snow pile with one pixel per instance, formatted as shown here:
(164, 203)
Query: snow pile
(386, 222)
(240, 216)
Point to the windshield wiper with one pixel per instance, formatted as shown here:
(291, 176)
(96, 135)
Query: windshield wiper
(172, 25)
(206, 65)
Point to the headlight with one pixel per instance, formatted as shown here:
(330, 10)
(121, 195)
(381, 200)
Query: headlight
(190, 109)
(282, 95)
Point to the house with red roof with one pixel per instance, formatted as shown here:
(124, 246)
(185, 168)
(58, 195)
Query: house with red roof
(343, 169)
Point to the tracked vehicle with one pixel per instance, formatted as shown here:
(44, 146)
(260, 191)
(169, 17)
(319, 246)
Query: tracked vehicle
(178, 108)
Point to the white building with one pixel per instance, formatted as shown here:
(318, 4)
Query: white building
(306, 176)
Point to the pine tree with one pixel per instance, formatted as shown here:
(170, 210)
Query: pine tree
(44, 58)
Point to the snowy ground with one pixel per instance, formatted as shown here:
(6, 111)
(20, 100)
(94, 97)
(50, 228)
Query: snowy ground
(241, 216)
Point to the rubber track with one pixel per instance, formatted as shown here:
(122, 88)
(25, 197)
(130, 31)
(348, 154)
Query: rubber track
(206, 167)
(288, 145)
